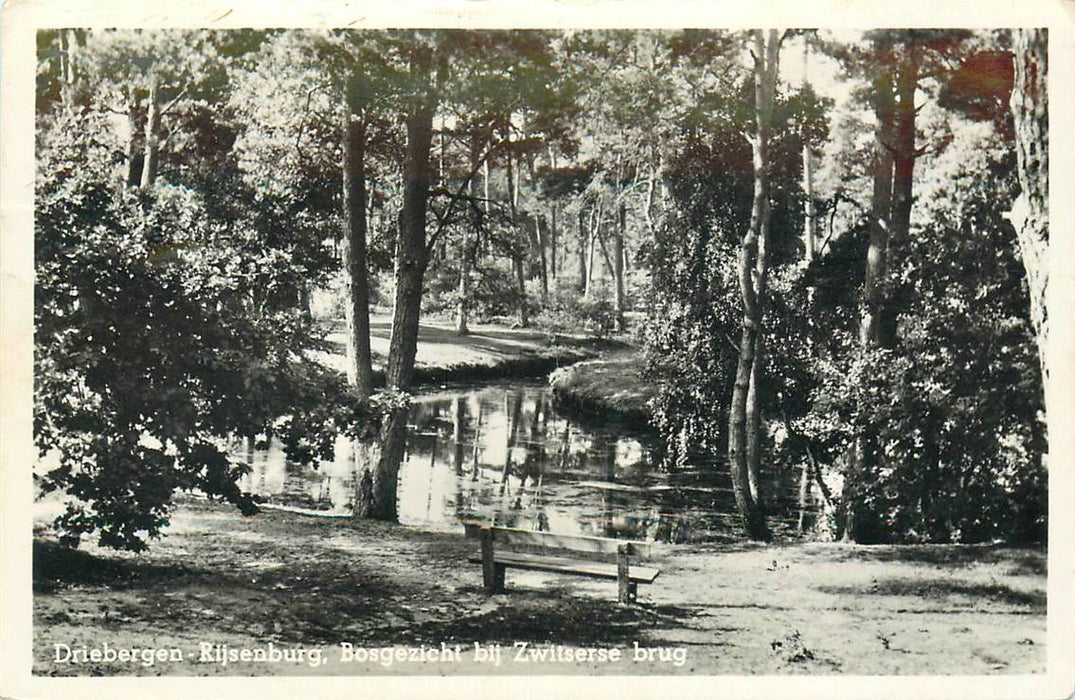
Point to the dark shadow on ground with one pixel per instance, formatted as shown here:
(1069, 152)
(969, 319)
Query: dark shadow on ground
(298, 597)
(932, 589)
(527, 616)
(1029, 561)
(299, 603)
(55, 565)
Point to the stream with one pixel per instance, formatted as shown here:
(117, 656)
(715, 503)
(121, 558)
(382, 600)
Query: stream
(503, 454)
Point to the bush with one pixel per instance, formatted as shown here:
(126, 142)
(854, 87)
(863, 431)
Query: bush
(568, 311)
(493, 292)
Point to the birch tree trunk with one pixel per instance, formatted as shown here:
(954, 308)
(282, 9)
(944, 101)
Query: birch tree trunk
(582, 250)
(617, 266)
(153, 123)
(68, 59)
(744, 416)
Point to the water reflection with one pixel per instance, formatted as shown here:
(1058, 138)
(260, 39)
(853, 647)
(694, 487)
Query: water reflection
(503, 454)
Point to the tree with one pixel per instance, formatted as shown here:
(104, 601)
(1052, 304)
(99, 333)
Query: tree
(360, 364)
(1030, 211)
(149, 349)
(696, 322)
(412, 255)
(744, 440)
(870, 332)
(149, 76)
(888, 410)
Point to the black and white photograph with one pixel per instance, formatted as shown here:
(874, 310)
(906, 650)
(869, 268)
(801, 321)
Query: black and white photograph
(589, 352)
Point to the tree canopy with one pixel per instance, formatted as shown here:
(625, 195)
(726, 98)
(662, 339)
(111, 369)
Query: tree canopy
(828, 246)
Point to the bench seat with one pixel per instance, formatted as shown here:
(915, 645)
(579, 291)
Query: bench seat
(566, 565)
(580, 555)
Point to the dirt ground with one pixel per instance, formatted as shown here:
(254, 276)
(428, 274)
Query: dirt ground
(220, 583)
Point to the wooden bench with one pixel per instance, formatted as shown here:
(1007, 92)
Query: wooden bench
(596, 557)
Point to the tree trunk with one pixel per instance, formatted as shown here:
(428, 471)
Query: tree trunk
(609, 271)
(809, 208)
(753, 419)
(462, 310)
(875, 329)
(903, 150)
(376, 492)
(647, 209)
(356, 269)
(153, 123)
(520, 285)
(617, 266)
(554, 235)
(582, 250)
(744, 417)
(136, 146)
(539, 223)
(880, 206)
(1030, 210)
(411, 254)
(68, 54)
(591, 247)
(517, 247)
(376, 495)
(804, 496)
(305, 302)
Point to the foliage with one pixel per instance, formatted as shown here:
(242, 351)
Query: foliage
(694, 323)
(169, 316)
(568, 312)
(950, 415)
(152, 346)
(493, 292)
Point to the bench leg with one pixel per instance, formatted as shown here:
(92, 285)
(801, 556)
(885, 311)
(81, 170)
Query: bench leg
(498, 578)
(492, 573)
(628, 592)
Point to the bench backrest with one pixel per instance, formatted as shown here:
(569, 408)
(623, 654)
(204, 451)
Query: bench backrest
(547, 540)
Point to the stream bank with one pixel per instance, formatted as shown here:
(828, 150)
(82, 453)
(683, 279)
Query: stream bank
(606, 388)
(487, 352)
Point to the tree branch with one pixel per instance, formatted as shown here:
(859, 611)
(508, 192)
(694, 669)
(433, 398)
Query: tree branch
(453, 198)
(175, 101)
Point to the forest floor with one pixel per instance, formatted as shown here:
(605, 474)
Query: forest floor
(218, 578)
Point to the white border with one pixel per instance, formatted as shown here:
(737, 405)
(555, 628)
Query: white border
(19, 22)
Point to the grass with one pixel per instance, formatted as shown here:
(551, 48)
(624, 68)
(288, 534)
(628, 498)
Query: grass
(609, 387)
